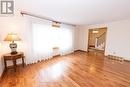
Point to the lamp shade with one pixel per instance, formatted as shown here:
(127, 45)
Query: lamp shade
(12, 37)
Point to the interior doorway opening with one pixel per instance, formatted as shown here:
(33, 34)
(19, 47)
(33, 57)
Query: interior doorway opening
(97, 39)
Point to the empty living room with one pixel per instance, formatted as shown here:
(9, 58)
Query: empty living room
(64, 43)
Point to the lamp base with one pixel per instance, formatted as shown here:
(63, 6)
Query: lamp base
(13, 47)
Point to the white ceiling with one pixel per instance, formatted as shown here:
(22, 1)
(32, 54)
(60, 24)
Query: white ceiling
(78, 12)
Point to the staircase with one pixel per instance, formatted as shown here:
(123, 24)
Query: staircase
(100, 42)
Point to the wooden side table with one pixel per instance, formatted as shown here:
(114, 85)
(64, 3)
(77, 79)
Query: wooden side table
(13, 58)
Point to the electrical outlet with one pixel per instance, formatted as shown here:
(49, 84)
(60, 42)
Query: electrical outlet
(114, 52)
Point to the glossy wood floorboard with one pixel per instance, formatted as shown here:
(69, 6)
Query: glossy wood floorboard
(79, 69)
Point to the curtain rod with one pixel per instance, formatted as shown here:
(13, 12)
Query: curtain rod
(45, 18)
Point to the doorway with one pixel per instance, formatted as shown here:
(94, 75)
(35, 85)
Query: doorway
(97, 39)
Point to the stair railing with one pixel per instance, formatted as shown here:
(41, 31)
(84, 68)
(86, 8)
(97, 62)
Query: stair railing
(100, 40)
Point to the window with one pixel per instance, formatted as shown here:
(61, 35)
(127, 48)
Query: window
(45, 38)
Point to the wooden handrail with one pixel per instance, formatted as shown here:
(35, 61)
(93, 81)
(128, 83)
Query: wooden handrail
(100, 39)
(101, 35)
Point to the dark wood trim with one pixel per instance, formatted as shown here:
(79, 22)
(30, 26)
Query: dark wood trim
(57, 55)
(76, 50)
(127, 60)
(80, 51)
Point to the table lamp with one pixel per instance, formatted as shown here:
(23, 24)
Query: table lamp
(13, 46)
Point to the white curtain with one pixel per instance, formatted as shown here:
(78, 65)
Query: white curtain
(66, 40)
(45, 37)
(42, 44)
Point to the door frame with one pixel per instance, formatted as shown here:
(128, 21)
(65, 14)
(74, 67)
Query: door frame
(105, 38)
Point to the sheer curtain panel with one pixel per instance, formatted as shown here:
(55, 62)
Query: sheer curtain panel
(45, 38)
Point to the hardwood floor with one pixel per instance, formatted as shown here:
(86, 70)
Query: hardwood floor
(79, 69)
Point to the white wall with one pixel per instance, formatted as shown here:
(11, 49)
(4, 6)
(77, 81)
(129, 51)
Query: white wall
(82, 42)
(15, 25)
(22, 26)
(118, 39)
(117, 42)
(117, 36)
(76, 39)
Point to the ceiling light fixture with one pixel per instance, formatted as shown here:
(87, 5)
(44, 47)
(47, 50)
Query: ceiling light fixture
(95, 31)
